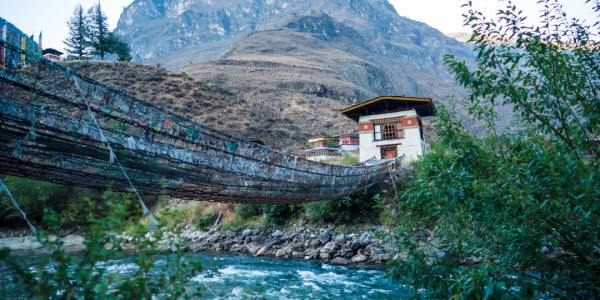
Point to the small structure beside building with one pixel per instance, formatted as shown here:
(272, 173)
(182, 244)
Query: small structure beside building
(390, 126)
(322, 148)
(52, 54)
(349, 142)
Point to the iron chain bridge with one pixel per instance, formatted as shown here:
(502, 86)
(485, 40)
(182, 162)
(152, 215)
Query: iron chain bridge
(60, 126)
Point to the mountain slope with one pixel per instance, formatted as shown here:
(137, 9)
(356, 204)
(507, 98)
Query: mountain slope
(295, 63)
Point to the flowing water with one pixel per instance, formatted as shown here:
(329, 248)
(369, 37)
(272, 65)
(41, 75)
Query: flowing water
(245, 277)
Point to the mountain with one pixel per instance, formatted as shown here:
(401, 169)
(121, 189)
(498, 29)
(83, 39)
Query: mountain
(295, 63)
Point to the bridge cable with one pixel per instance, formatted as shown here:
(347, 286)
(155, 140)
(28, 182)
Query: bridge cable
(15, 204)
(112, 156)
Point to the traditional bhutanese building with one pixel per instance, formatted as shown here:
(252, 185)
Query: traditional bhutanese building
(52, 54)
(348, 142)
(322, 148)
(391, 126)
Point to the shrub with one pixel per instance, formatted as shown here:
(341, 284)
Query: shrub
(248, 210)
(512, 215)
(359, 208)
(207, 219)
(61, 275)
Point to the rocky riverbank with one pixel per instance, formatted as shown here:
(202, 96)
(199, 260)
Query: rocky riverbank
(300, 241)
(306, 242)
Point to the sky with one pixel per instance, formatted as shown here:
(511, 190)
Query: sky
(50, 16)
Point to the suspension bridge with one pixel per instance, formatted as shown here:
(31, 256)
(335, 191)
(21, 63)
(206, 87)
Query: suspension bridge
(60, 126)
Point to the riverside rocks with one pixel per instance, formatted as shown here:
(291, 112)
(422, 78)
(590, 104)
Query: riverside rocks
(308, 242)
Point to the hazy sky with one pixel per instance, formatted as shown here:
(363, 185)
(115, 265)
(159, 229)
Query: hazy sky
(50, 16)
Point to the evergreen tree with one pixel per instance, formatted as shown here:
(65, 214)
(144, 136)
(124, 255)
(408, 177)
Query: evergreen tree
(77, 41)
(99, 34)
(119, 47)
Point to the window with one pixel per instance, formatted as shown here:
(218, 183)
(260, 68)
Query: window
(377, 129)
(388, 131)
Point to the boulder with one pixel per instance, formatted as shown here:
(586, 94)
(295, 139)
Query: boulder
(329, 247)
(311, 253)
(324, 255)
(346, 252)
(277, 234)
(358, 258)
(314, 243)
(247, 232)
(340, 261)
(324, 237)
(340, 238)
(262, 251)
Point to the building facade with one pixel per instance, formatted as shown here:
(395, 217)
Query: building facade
(391, 126)
(349, 142)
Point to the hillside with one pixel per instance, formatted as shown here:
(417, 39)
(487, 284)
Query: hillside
(208, 104)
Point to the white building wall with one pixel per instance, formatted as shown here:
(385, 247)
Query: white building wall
(411, 146)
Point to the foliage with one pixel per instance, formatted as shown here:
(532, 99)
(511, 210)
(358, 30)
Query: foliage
(98, 30)
(512, 214)
(206, 220)
(362, 207)
(71, 204)
(77, 41)
(119, 47)
(91, 31)
(34, 196)
(64, 276)
(276, 214)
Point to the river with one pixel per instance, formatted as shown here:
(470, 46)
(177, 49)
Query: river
(227, 276)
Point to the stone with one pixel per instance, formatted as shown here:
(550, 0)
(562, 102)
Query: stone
(340, 238)
(247, 232)
(346, 252)
(324, 237)
(340, 261)
(358, 258)
(314, 243)
(297, 254)
(329, 247)
(247, 240)
(262, 251)
(280, 253)
(311, 254)
(324, 255)
(252, 248)
(277, 234)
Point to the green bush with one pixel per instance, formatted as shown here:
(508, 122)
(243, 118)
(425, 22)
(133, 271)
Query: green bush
(61, 275)
(33, 196)
(360, 208)
(248, 210)
(206, 220)
(515, 214)
(277, 214)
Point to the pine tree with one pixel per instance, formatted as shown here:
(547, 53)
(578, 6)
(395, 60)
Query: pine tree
(77, 41)
(99, 34)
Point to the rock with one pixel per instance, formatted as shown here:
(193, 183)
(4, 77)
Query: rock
(262, 251)
(340, 261)
(252, 248)
(324, 237)
(329, 247)
(311, 254)
(314, 243)
(346, 252)
(247, 240)
(247, 232)
(324, 255)
(340, 238)
(297, 254)
(280, 253)
(358, 258)
(277, 234)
